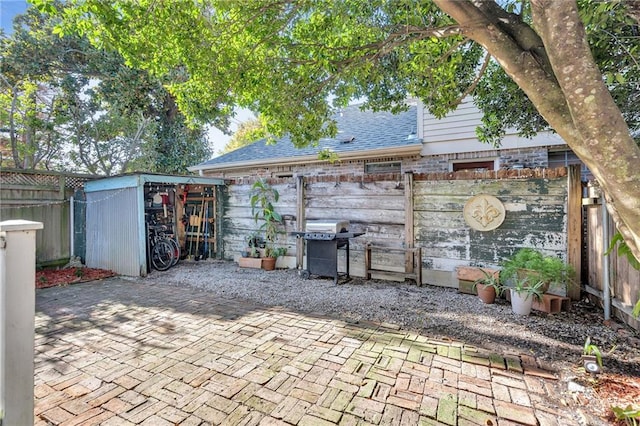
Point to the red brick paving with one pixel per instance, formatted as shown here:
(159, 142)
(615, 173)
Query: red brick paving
(120, 353)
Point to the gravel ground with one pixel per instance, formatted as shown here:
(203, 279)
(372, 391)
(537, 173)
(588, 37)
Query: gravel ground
(556, 340)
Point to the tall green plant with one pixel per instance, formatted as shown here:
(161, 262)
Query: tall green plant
(263, 196)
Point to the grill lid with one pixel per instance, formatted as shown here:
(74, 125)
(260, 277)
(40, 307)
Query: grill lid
(329, 226)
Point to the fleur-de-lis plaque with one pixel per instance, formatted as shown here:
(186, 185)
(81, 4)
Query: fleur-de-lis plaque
(484, 212)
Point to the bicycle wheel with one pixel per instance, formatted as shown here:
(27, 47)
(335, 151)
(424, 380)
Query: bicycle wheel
(162, 255)
(176, 250)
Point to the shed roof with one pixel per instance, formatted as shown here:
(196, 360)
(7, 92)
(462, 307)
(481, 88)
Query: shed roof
(358, 131)
(132, 180)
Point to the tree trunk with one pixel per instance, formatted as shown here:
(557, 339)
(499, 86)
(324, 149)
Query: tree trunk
(557, 72)
(597, 118)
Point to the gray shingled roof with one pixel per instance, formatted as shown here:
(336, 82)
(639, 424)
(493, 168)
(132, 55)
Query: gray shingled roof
(366, 131)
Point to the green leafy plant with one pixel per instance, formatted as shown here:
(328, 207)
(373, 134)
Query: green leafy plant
(536, 266)
(623, 250)
(79, 272)
(489, 280)
(275, 251)
(591, 349)
(630, 414)
(263, 197)
(523, 286)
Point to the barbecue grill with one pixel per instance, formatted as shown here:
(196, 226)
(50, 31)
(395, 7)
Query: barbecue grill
(323, 240)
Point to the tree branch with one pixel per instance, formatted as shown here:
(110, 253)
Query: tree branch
(474, 83)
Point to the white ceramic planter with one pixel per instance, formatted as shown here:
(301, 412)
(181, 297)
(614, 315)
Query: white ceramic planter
(521, 303)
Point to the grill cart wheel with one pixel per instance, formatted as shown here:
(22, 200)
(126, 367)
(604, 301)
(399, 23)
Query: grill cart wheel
(305, 274)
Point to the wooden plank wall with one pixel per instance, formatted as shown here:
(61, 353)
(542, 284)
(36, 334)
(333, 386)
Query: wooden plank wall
(624, 279)
(40, 197)
(238, 223)
(374, 205)
(536, 217)
(535, 201)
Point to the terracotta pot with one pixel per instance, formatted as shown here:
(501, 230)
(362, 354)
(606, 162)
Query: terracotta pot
(268, 263)
(486, 293)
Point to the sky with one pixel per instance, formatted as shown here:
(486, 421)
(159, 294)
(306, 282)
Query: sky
(9, 9)
(217, 139)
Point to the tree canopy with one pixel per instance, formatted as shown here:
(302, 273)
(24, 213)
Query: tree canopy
(535, 64)
(67, 105)
(247, 133)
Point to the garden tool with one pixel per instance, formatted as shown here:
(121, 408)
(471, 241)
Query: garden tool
(197, 255)
(205, 232)
(165, 201)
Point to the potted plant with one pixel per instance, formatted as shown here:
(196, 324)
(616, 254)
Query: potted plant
(263, 196)
(522, 294)
(536, 266)
(488, 287)
(253, 242)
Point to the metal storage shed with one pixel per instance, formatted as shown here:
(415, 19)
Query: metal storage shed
(118, 209)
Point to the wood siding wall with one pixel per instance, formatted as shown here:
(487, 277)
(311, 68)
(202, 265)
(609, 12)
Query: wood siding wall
(460, 124)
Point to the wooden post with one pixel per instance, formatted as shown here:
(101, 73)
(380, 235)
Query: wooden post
(367, 261)
(408, 223)
(17, 307)
(217, 221)
(574, 228)
(300, 220)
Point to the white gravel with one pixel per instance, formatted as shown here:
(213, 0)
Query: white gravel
(439, 312)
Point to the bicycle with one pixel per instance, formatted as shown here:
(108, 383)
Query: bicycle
(165, 250)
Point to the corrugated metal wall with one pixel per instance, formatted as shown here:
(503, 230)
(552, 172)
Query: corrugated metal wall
(113, 213)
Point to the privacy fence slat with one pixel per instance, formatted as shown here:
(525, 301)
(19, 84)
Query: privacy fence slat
(41, 196)
(624, 279)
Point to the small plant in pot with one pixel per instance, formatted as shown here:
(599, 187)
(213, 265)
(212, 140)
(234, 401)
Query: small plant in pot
(488, 287)
(535, 266)
(253, 243)
(522, 294)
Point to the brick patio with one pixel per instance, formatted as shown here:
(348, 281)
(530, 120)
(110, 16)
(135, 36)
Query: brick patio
(120, 352)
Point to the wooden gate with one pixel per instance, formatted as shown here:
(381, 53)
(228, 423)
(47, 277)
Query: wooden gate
(624, 287)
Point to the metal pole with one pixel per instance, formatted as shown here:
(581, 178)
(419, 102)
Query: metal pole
(606, 293)
(72, 251)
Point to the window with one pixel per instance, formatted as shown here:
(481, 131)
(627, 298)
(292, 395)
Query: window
(474, 166)
(386, 167)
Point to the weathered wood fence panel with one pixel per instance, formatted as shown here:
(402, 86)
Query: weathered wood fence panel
(239, 224)
(372, 206)
(623, 278)
(42, 197)
(535, 217)
(535, 202)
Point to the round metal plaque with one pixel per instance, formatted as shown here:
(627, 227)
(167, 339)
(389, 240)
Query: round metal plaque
(484, 212)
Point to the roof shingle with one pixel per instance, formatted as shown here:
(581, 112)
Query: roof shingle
(357, 131)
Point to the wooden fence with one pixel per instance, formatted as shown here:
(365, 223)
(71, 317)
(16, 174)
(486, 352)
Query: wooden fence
(624, 280)
(407, 210)
(41, 197)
